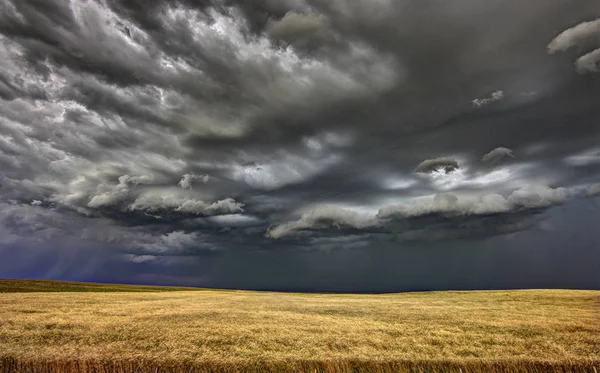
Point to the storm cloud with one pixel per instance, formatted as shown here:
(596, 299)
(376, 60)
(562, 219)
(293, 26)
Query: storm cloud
(193, 139)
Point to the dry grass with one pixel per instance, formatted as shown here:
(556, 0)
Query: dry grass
(28, 286)
(214, 331)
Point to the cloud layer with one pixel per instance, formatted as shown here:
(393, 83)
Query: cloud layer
(162, 134)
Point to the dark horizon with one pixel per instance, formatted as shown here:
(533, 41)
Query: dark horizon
(298, 290)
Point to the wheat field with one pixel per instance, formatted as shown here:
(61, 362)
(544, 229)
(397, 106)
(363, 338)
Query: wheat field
(244, 331)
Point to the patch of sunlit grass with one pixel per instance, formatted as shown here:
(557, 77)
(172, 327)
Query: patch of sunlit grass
(533, 330)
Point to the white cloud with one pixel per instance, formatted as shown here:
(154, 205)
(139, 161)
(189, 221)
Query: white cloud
(187, 180)
(530, 196)
(156, 202)
(534, 196)
(575, 36)
(140, 258)
(481, 102)
(589, 62)
(109, 195)
(584, 158)
(324, 217)
(235, 220)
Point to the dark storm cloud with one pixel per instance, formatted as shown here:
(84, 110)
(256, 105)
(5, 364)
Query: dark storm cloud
(196, 128)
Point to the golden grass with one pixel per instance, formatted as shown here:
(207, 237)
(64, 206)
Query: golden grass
(217, 331)
(27, 286)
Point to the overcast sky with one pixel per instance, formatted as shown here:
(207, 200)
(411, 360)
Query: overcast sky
(347, 145)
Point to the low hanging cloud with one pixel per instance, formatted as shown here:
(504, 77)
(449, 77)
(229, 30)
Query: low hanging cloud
(481, 102)
(495, 156)
(324, 218)
(527, 197)
(431, 165)
(447, 204)
(448, 217)
(442, 216)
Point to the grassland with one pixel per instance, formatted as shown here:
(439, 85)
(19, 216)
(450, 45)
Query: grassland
(28, 286)
(242, 331)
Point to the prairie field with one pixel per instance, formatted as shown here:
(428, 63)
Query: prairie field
(246, 331)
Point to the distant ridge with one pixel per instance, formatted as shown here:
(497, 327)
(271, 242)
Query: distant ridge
(28, 286)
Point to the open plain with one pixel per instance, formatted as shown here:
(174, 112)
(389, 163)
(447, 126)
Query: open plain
(214, 331)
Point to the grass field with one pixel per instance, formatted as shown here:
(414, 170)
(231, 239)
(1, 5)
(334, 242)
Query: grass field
(27, 286)
(243, 331)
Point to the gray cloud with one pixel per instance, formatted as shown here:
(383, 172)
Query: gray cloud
(169, 132)
(593, 190)
(589, 62)
(300, 30)
(582, 35)
(188, 179)
(535, 196)
(324, 217)
(448, 204)
(429, 165)
(442, 216)
(497, 155)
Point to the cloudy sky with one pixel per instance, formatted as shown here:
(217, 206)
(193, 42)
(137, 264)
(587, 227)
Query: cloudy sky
(344, 145)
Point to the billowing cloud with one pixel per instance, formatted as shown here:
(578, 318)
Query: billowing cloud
(496, 155)
(575, 36)
(585, 33)
(299, 30)
(430, 165)
(528, 197)
(448, 216)
(188, 179)
(447, 204)
(435, 214)
(535, 196)
(324, 218)
(156, 203)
